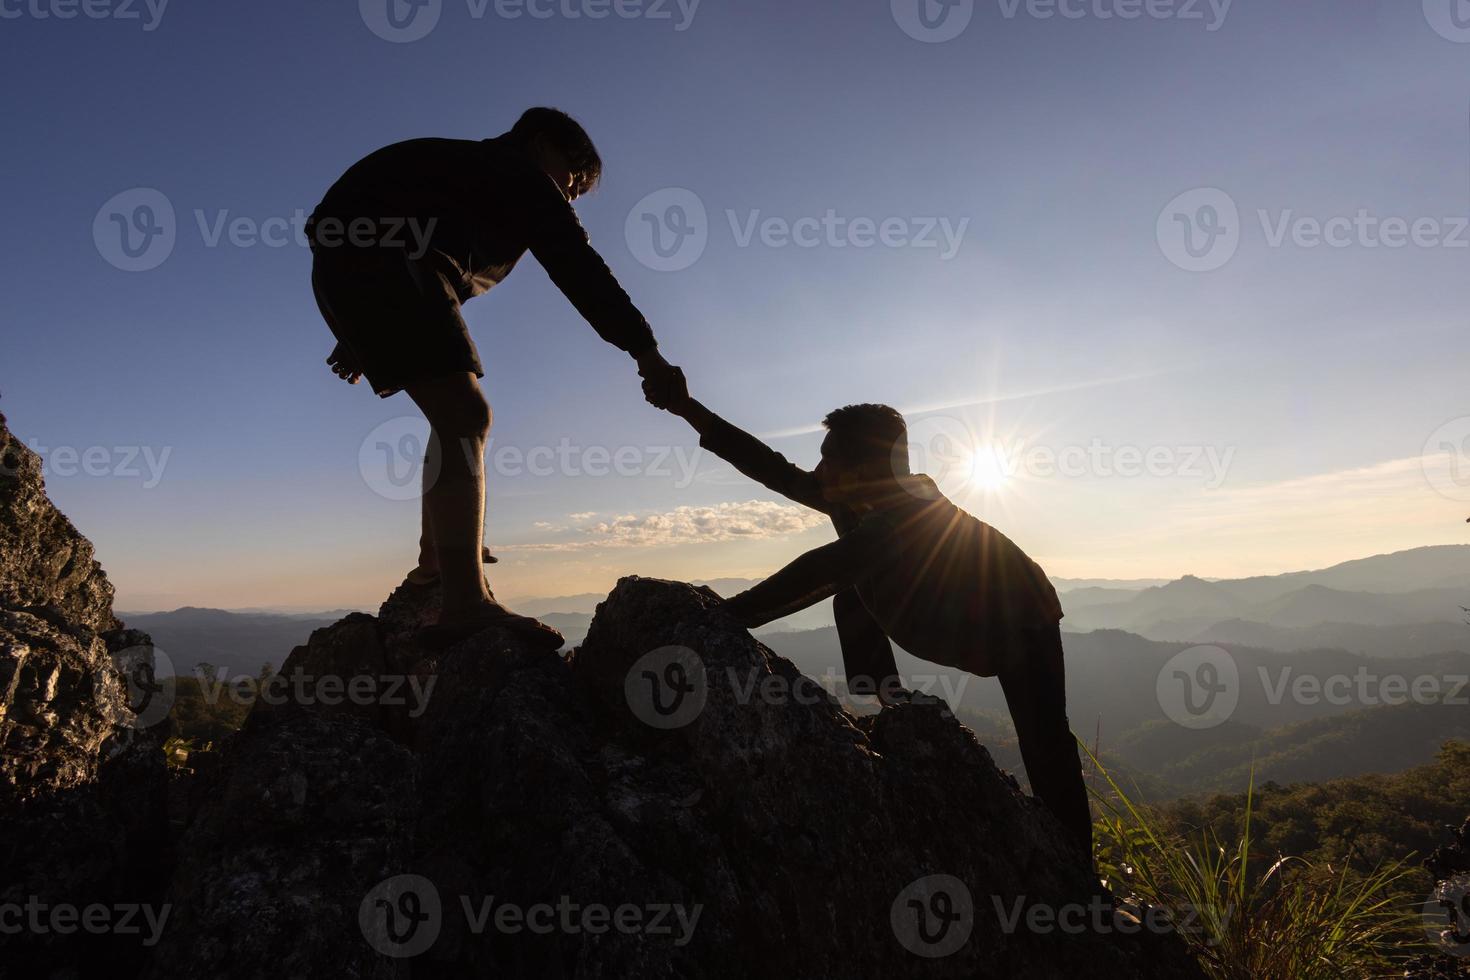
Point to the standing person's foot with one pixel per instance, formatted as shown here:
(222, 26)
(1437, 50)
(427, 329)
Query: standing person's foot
(453, 628)
(429, 575)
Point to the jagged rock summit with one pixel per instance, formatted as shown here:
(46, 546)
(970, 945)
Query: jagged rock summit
(669, 800)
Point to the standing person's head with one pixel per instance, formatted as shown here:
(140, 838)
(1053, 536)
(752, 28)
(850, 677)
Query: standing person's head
(562, 148)
(865, 453)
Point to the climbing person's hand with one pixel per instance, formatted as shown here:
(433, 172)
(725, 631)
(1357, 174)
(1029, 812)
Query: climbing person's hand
(343, 366)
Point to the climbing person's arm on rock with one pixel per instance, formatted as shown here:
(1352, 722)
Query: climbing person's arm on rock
(739, 448)
(819, 574)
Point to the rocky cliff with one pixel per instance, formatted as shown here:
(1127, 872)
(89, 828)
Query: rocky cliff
(82, 778)
(671, 800)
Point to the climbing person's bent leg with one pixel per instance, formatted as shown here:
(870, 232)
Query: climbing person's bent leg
(1036, 692)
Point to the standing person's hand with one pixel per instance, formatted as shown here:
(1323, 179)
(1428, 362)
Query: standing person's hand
(343, 366)
(663, 384)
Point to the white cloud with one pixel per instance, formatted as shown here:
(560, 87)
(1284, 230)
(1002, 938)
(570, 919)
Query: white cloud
(751, 520)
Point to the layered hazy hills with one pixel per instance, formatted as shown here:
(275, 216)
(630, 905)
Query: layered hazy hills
(1406, 603)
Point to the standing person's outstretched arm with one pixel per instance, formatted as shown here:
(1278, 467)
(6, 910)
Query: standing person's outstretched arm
(562, 246)
(741, 449)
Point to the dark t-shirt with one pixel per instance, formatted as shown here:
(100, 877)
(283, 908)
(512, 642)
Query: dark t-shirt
(484, 204)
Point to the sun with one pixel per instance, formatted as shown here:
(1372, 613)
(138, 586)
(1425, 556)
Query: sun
(988, 468)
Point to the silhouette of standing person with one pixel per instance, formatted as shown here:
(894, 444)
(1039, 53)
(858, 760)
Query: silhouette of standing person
(406, 236)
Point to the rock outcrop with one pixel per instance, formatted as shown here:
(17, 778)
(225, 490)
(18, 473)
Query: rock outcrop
(82, 777)
(672, 800)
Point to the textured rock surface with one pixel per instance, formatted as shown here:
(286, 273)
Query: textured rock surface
(768, 833)
(44, 561)
(82, 779)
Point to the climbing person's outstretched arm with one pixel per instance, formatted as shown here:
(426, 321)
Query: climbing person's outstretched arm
(739, 448)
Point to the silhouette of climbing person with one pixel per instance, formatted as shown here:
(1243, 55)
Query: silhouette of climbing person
(399, 242)
(911, 567)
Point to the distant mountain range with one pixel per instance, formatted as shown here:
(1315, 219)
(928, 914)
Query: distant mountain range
(236, 642)
(1406, 603)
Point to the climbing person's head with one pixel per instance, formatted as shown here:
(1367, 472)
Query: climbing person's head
(562, 148)
(865, 452)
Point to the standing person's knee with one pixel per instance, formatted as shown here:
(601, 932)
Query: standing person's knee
(475, 415)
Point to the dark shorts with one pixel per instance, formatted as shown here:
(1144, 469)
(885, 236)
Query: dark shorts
(397, 317)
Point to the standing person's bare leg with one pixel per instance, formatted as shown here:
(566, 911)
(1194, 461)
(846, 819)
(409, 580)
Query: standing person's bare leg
(454, 492)
(427, 570)
(454, 512)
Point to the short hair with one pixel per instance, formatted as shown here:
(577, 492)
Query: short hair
(865, 433)
(568, 136)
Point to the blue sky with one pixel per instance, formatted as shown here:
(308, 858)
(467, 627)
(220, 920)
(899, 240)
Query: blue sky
(1054, 317)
